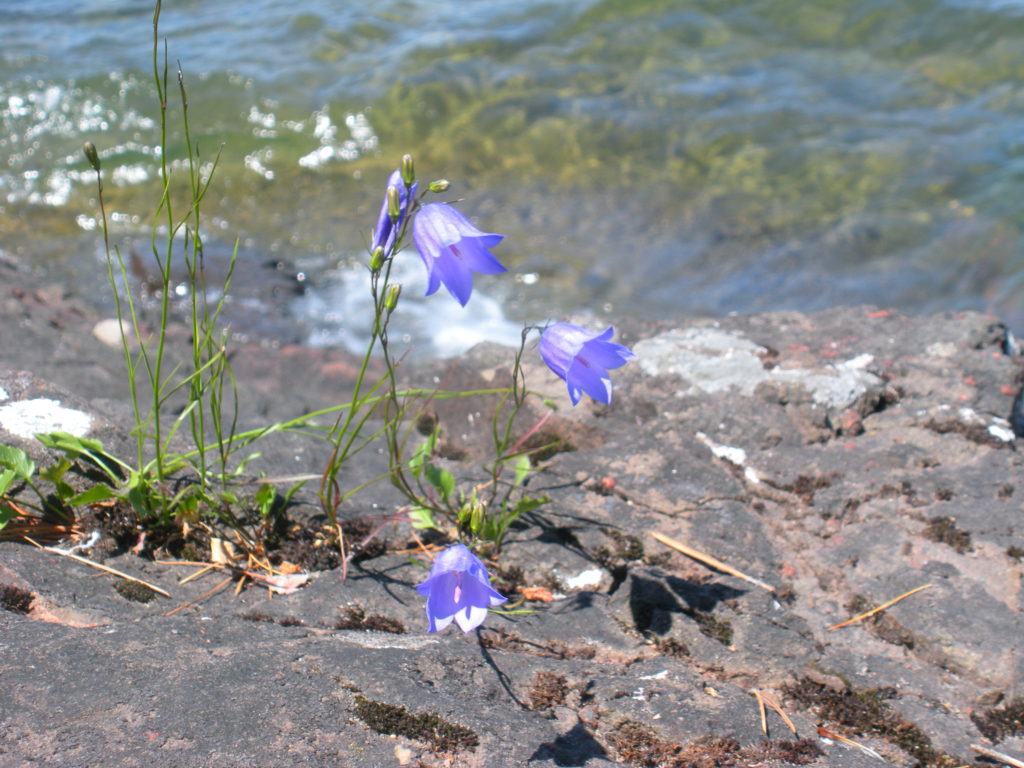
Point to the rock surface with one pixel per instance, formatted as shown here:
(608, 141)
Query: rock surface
(843, 458)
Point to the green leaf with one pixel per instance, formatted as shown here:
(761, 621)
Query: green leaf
(64, 491)
(441, 479)
(423, 454)
(523, 468)
(96, 493)
(6, 478)
(6, 515)
(55, 473)
(69, 444)
(188, 504)
(17, 460)
(134, 480)
(265, 499)
(140, 501)
(75, 447)
(528, 504)
(291, 492)
(421, 517)
(244, 462)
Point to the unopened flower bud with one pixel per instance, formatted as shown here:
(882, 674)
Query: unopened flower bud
(438, 186)
(408, 170)
(391, 300)
(91, 155)
(377, 258)
(394, 204)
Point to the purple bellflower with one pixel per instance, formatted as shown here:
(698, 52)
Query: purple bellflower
(583, 359)
(453, 249)
(458, 589)
(384, 235)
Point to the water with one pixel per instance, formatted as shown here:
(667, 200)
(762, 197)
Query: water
(646, 158)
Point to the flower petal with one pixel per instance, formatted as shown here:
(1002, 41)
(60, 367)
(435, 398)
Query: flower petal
(452, 249)
(457, 557)
(583, 359)
(475, 256)
(591, 380)
(436, 625)
(471, 618)
(458, 589)
(559, 344)
(441, 603)
(456, 276)
(384, 234)
(605, 354)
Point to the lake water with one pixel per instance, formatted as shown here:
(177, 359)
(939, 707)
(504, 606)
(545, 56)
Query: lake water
(645, 158)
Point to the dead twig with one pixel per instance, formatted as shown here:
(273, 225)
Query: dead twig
(768, 698)
(104, 568)
(708, 560)
(207, 567)
(760, 709)
(1002, 757)
(203, 596)
(873, 611)
(825, 733)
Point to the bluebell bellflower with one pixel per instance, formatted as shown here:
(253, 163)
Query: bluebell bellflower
(384, 235)
(458, 589)
(453, 249)
(583, 359)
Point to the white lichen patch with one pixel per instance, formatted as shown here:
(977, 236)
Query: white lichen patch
(731, 454)
(712, 360)
(3, 394)
(585, 579)
(26, 418)
(728, 452)
(999, 432)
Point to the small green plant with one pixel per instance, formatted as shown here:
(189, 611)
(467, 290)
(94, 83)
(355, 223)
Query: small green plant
(482, 513)
(204, 387)
(16, 466)
(190, 462)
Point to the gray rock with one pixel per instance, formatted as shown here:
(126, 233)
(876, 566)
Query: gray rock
(844, 458)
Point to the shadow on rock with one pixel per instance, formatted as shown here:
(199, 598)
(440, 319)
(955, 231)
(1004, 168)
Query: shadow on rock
(655, 598)
(574, 748)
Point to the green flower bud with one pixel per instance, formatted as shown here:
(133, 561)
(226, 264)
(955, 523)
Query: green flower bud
(394, 205)
(408, 170)
(391, 300)
(438, 186)
(377, 258)
(91, 155)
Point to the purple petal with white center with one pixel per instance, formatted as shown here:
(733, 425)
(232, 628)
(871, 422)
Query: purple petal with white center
(441, 601)
(453, 249)
(583, 359)
(590, 380)
(458, 589)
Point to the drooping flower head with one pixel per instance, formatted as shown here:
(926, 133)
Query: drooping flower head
(458, 589)
(583, 359)
(384, 235)
(453, 249)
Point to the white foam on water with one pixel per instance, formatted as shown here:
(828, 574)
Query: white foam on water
(339, 310)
